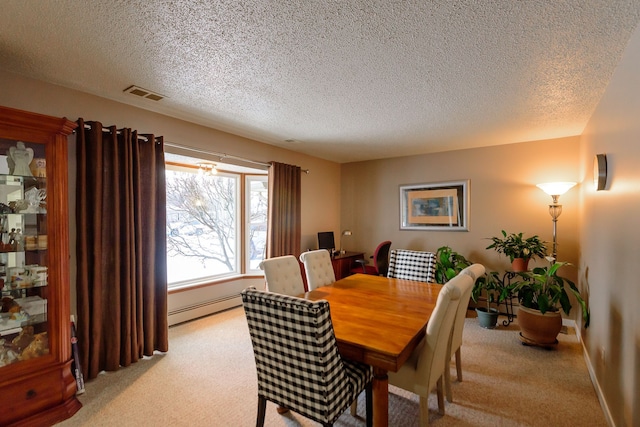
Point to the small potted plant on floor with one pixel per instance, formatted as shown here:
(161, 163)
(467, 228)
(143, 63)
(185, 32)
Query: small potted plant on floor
(491, 286)
(519, 249)
(542, 293)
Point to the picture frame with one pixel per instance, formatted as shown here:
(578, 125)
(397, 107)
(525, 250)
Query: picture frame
(440, 206)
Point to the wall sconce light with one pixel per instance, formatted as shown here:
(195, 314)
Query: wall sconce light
(344, 233)
(600, 171)
(555, 190)
(207, 169)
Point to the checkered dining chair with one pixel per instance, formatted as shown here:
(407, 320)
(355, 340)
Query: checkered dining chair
(297, 359)
(318, 268)
(283, 275)
(455, 342)
(412, 265)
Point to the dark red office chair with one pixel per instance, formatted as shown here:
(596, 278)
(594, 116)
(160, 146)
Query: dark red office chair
(380, 261)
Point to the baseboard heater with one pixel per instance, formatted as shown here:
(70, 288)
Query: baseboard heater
(184, 314)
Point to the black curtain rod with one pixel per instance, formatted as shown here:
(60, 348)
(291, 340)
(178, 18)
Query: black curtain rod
(211, 153)
(222, 155)
(104, 129)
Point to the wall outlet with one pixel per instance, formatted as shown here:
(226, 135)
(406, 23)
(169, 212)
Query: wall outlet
(602, 356)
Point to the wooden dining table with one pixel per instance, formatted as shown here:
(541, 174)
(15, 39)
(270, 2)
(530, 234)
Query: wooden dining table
(378, 321)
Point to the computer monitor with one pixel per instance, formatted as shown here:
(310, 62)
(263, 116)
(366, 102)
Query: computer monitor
(326, 240)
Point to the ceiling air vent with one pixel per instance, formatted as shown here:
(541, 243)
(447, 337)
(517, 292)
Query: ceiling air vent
(144, 93)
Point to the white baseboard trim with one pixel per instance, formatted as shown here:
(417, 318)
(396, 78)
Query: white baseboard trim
(184, 314)
(592, 373)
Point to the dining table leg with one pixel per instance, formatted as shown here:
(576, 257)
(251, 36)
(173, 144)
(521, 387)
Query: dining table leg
(380, 386)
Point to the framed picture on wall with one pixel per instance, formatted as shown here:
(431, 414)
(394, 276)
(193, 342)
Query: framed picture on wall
(442, 206)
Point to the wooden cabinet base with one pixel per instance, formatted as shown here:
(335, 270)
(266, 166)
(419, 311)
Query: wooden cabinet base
(52, 415)
(41, 399)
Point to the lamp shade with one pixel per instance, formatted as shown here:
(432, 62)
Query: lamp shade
(556, 188)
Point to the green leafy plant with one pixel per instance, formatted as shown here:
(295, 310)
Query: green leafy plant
(516, 246)
(492, 286)
(448, 264)
(543, 289)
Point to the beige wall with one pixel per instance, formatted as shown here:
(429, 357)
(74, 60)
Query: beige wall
(320, 188)
(598, 231)
(610, 238)
(502, 194)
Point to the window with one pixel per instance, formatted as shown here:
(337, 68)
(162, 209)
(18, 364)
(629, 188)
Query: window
(256, 204)
(204, 228)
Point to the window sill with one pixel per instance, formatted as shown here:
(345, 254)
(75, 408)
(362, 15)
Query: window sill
(211, 282)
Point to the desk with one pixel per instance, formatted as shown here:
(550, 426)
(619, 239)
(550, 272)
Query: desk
(343, 263)
(378, 321)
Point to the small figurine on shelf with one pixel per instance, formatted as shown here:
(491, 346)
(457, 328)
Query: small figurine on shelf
(12, 239)
(19, 240)
(35, 198)
(19, 158)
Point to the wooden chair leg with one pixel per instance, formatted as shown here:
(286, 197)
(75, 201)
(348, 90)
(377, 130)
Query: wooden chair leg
(458, 365)
(368, 397)
(440, 392)
(262, 407)
(424, 411)
(354, 408)
(447, 381)
(282, 409)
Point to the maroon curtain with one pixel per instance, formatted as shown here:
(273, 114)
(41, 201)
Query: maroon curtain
(121, 281)
(283, 221)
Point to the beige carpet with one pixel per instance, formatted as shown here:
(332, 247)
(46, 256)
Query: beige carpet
(208, 379)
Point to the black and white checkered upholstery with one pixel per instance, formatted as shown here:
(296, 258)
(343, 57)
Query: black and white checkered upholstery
(412, 265)
(297, 357)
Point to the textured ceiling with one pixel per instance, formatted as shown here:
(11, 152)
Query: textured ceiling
(347, 80)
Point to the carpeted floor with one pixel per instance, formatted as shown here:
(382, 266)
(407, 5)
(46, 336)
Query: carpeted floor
(208, 379)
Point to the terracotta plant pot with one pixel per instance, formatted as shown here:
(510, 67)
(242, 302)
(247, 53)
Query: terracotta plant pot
(537, 328)
(520, 264)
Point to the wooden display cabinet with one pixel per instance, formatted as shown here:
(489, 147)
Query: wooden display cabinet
(36, 382)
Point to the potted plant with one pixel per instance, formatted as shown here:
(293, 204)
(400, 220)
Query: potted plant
(542, 293)
(491, 285)
(448, 264)
(519, 249)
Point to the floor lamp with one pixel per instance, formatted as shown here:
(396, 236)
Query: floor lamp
(555, 190)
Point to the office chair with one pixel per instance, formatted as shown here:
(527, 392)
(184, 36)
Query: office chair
(380, 265)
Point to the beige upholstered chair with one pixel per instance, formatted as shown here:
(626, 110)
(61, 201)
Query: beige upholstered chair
(425, 367)
(474, 271)
(283, 275)
(318, 268)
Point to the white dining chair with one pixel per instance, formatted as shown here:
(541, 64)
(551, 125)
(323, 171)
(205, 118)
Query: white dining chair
(283, 275)
(318, 268)
(424, 369)
(474, 271)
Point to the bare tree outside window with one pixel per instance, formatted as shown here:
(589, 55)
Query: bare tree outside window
(202, 224)
(257, 224)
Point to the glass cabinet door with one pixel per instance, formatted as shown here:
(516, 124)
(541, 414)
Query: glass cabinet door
(24, 329)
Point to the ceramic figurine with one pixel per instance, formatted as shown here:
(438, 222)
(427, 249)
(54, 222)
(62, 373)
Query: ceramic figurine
(19, 158)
